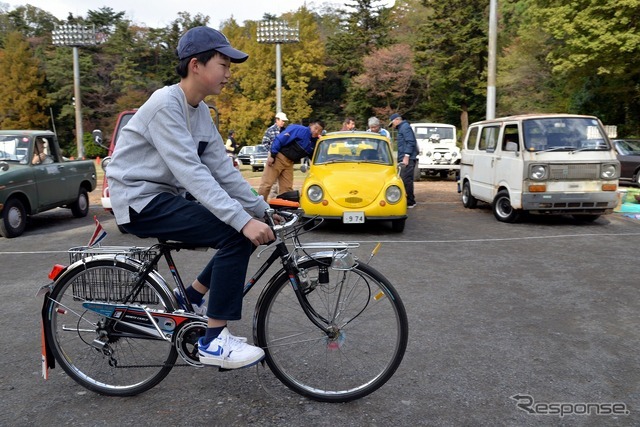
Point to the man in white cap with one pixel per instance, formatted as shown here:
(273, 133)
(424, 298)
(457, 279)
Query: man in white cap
(274, 130)
(171, 148)
(269, 135)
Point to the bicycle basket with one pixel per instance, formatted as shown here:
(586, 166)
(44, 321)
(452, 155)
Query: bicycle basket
(108, 283)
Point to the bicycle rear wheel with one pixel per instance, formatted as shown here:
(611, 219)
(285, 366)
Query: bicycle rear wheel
(88, 346)
(368, 339)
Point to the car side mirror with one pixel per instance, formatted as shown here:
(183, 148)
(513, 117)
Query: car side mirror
(304, 166)
(97, 138)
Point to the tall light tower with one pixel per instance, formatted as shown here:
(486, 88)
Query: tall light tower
(277, 32)
(491, 64)
(75, 35)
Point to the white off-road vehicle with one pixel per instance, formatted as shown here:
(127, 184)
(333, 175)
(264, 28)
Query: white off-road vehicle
(438, 153)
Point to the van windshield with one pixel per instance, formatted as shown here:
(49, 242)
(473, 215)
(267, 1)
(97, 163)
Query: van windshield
(564, 134)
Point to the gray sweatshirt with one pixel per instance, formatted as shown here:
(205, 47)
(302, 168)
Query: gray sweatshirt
(157, 152)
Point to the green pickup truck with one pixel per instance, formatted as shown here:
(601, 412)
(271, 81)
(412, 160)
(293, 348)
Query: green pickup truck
(34, 177)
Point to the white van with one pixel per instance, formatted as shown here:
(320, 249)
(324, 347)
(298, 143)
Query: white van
(438, 152)
(542, 164)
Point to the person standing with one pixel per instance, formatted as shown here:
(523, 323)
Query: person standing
(231, 145)
(290, 146)
(170, 147)
(407, 154)
(374, 126)
(274, 130)
(269, 135)
(349, 124)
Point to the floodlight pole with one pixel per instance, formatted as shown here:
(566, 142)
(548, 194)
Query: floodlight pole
(491, 63)
(75, 35)
(277, 32)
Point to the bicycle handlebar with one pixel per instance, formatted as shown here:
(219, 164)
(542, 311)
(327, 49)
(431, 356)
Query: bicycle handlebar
(291, 217)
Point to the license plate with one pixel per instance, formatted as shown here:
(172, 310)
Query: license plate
(353, 217)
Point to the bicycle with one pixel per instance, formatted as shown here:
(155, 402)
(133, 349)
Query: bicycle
(333, 328)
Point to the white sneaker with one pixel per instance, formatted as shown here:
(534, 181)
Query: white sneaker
(228, 352)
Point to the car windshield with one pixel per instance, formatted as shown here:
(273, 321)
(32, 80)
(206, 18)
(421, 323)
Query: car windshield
(564, 134)
(352, 149)
(435, 133)
(628, 147)
(260, 149)
(13, 147)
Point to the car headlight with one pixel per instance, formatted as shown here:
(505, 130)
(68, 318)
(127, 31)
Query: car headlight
(314, 193)
(437, 156)
(393, 194)
(447, 156)
(538, 172)
(609, 171)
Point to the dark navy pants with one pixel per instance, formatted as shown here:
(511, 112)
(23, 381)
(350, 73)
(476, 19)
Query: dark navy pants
(172, 217)
(406, 174)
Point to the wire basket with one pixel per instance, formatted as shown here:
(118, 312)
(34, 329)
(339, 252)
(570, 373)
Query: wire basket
(107, 283)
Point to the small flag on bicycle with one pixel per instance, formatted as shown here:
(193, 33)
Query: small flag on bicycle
(98, 234)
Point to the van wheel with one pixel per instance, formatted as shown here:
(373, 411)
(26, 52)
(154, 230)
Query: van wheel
(468, 201)
(502, 209)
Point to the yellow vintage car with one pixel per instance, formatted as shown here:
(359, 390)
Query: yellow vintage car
(353, 178)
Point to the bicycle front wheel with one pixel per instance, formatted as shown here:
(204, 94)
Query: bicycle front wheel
(91, 347)
(366, 339)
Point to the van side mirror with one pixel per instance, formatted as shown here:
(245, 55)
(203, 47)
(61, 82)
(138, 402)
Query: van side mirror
(511, 146)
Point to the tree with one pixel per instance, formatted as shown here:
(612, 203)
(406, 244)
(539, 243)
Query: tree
(247, 104)
(595, 51)
(23, 103)
(451, 57)
(365, 27)
(386, 82)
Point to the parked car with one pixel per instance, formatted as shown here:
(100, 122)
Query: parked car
(254, 155)
(35, 177)
(628, 152)
(353, 178)
(438, 153)
(542, 164)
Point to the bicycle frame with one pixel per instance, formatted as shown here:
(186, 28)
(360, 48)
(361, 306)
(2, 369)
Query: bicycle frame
(145, 325)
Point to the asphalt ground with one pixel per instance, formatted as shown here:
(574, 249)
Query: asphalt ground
(545, 309)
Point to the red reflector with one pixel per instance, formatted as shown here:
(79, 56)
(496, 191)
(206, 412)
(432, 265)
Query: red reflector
(55, 271)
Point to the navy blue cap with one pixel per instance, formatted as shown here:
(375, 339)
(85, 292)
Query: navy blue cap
(393, 117)
(202, 39)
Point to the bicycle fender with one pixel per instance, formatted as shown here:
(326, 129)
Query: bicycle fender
(48, 361)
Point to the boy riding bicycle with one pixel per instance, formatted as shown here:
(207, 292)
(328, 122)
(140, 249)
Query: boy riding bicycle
(170, 178)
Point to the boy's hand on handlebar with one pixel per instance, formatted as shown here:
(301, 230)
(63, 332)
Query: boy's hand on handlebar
(258, 232)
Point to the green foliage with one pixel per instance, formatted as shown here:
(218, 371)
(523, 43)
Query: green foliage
(23, 103)
(424, 58)
(451, 56)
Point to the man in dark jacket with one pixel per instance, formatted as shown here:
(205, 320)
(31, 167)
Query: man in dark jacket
(407, 154)
(291, 145)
